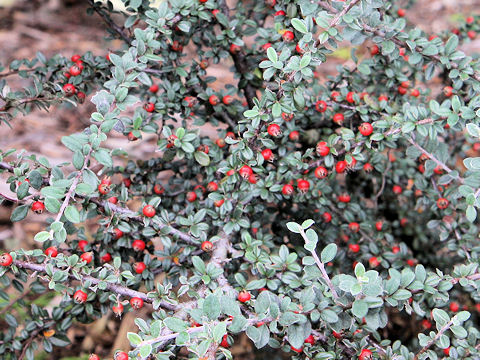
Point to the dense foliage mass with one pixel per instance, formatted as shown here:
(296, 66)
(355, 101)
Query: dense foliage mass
(330, 218)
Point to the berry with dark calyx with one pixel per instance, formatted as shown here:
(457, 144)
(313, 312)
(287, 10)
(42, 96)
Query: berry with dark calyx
(38, 207)
(139, 267)
(158, 189)
(373, 261)
(103, 189)
(138, 245)
(338, 118)
(274, 130)
(136, 303)
(148, 211)
(365, 354)
(442, 203)
(74, 70)
(227, 99)
(203, 148)
(6, 259)
(322, 148)
(80, 296)
(120, 355)
(87, 257)
(354, 248)
(212, 186)
(252, 179)
(415, 93)
(191, 101)
(219, 203)
(51, 251)
(368, 167)
(220, 143)
(294, 135)
(287, 117)
(288, 36)
(354, 226)
(244, 296)
(321, 106)
(287, 189)
(366, 129)
(93, 357)
(303, 185)
(321, 172)
(207, 246)
(149, 107)
(327, 217)
(267, 154)
(69, 90)
(176, 46)
(117, 233)
(118, 309)
(191, 196)
(106, 258)
(234, 49)
(81, 97)
(245, 171)
(448, 91)
(131, 137)
(213, 100)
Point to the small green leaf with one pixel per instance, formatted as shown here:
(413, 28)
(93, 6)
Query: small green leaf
(299, 25)
(72, 214)
(42, 236)
(328, 253)
(134, 338)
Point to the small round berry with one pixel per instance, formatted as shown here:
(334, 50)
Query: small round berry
(338, 118)
(213, 100)
(74, 70)
(220, 143)
(153, 88)
(454, 307)
(69, 90)
(127, 182)
(177, 47)
(296, 350)
(234, 49)
(287, 189)
(321, 172)
(280, 13)
(149, 107)
(274, 130)
(191, 196)
(51, 251)
(139, 267)
(287, 117)
(136, 303)
(191, 101)
(87, 257)
(442, 203)
(303, 185)
(397, 189)
(382, 98)
(93, 357)
(224, 342)
(6, 259)
(321, 106)
(81, 97)
(131, 137)
(207, 246)
(294, 135)
(354, 227)
(365, 354)
(203, 148)
(366, 129)
(373, 261)
(252, 179)
(80, 296)
(212, 186)
(267, 154)
(327, 217)
(310, 340)
(350, 97)
(158, 189)
(219, 203)
(288, 36)
(415, 93)
(38, 207)
(344, 198)
(379, 225)
(396, 249)
(354, 248)
(401, 12)
(117, 233)
(103, 189)
(148, 211)
(470, 20)
(75, 58)
(82, 244)
(322, 148)
(374, 50)
(368, 167)
(341, 166)
(335, 96)
(227, 99)
(448, 91)
(471, 34)
(244, 296)
(245, 171)
(447, 351)
(138, 245)
(106, 258)
(120, 355)
(118, 309)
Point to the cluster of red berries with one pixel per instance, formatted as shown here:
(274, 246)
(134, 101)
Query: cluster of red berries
(75, 70)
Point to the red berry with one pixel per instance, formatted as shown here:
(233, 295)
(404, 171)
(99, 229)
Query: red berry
(74, 70)
(401, 12)
(82, 244)
(397, 189)
(244, 296)
(230, 172)
(149, 211)
(267, 154)
(224, 342)
(401, 90)
(471, 34)
(338, 118)
(322, 148)
(212, 186)
(280, 13)
(287, 117)
(447, 351)
(252, 179)
(103, 189)
(127, 182)
(6, 259)
(87, 257)
(354, 247)
(176, 46)
(139, 267)
(106, 258)
(138, 245)
(288, 36)
(80, 296)
(75, 58)
(153, 88)
(354, 226)
(213, 100)
(368, 167)
(38, 207)
(296, 350)
(442, 203)
(287, 189)
(374, 50)
(382, 98)
(365, 354)
(190, 100)
(321, 106)
(274, 130)
(341, 166)
(51, 251)
(227, 99)
(93, 357)
(310, 340)
(373, 261)
(203, 148)
(415, 93)
(366, 129)
(120, 355)
(235, 48)
(299, 50)
(220, 143)
(118, 309)
(303, 185)
(81, 97)
(350, 96)
(117, 234)
(245, 171)
(69, 90)
(454, 307)
(396, 249)
(219, 203)
(337, 335)
(294, 135)
(191, 196)
(136, 303)
(469, 19)
(207, 246)
(448, 91)
(158, 189)
(321, 172)
(335, 95)
(149, 107)
(265, 47)
(327, 217)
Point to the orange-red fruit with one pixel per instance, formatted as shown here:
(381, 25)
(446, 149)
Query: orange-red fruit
(382, 98)
(350, 96)
(75, 57)
(321, 106)
(149, 211)
(354, 247)
(103, 189)
(401, 12)
(74, 70)
(245, 171)
(327, 217)
(51, 251)
(80, 296)
(415, 93)
(158, 189)
(93, 357)
(267, 154)
(82, 244)
(120, 355)
(136, 303)
(244, 296)
(287, 189)
(288, 36)
(117, 233)
(131, 137)
(340, 166)
(227, 99)
(442, 203)
(321, 172)
(471, 34)
(469, 19)
(401, 90)
(303, 185)
(454, 306)
(280, 13)
(294, 135)
(447, 351)
(38, 207)
(118, 309)
(322, 148)
(344, 198)
(368, 167)
(296, 350)
(373, 261)
(366, 129)
(448, 91)
(87, 257)
(153, 88)
(69, 90)
(397, 189)
(207, 246)
(213, 100)
(334, 95)
(235, 48)
(219, 203)
(106, 258)
(224, 342)
(396, 249)
(139, 267)
(191, 196)
(374, 50)
(354, 226)
(212, 186)
(149, 107)
(310, 340)
(365, 354)
(6, 259)
(338, 118)
(138, 245)
(274, 130)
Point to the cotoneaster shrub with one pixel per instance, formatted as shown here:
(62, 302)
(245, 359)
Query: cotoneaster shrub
(324, 210)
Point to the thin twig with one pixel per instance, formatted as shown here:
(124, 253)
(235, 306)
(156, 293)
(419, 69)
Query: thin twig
(435, 339)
